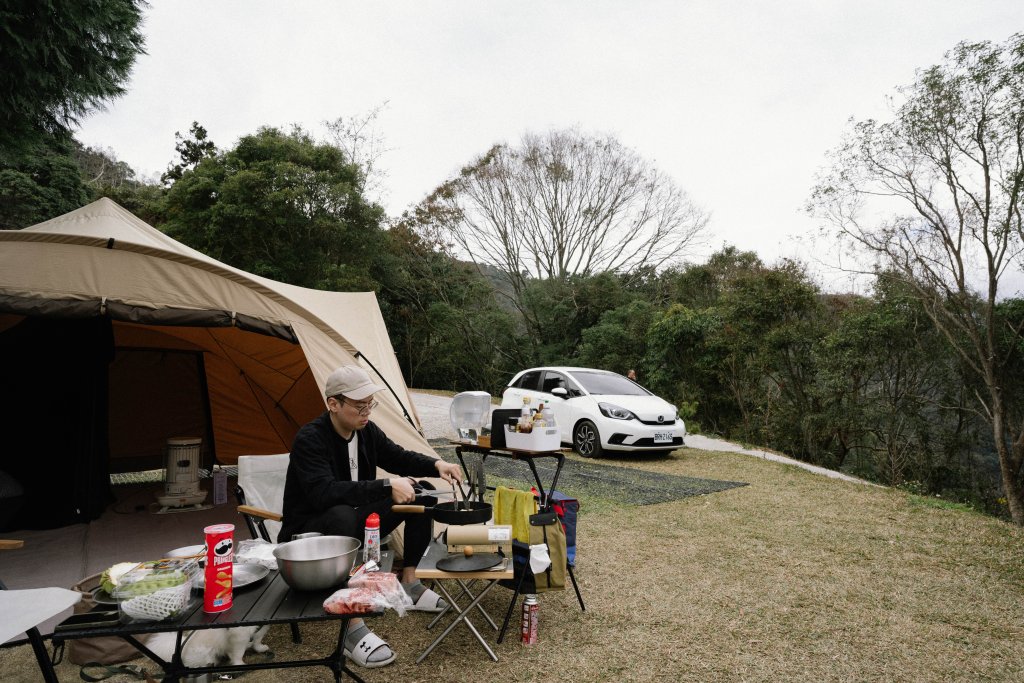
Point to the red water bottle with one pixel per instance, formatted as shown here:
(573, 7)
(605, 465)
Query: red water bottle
(220, 553)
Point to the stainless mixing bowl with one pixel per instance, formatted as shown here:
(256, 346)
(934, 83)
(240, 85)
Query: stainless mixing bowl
(311, 564)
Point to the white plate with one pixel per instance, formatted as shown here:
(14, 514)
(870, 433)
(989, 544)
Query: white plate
(241, 575)
(187, 551)
(662, 437)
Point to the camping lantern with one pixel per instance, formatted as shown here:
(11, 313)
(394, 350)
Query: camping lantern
(469, 412)
(181, 474)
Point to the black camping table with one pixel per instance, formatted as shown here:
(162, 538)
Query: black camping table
(513, 454)
(270, 601)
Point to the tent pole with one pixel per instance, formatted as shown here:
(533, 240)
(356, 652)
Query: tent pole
(359, 354)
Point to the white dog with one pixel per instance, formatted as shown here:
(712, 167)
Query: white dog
(206, 647)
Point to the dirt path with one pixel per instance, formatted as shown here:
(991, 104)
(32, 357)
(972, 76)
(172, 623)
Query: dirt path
(433, 412)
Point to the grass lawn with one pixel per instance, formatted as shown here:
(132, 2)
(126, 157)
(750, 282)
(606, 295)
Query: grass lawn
(795, 577)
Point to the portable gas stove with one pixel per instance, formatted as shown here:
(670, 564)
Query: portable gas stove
(476, 547)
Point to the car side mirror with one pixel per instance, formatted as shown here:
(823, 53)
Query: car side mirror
(560, 392)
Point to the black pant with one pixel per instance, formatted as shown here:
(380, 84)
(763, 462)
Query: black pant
(345, 520)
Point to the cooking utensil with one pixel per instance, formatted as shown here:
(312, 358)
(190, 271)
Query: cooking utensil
(455, 496)
(481, 480)
(310, 564)
(468, 561)
(242, 574)
(451, 513)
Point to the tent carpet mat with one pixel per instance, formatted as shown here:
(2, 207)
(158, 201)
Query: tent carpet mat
(581, 478)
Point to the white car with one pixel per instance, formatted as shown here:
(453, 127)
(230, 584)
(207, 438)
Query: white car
(599, 411)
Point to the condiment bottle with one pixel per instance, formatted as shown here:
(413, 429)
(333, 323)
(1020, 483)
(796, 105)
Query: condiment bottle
(540, 417)
(525, 419)
(371, 539)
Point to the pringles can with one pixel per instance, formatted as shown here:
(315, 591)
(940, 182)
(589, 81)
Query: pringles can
(220, 553)
(530, 620)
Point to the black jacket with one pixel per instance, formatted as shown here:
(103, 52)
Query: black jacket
(319, 477)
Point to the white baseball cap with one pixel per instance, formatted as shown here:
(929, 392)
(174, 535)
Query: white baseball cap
(351, 382)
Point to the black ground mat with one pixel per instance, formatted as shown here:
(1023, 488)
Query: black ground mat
(581, 479)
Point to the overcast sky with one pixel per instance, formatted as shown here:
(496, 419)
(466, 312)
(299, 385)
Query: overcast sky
(737, 101)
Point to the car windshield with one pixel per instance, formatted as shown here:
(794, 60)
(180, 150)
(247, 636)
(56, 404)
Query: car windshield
(608, 383)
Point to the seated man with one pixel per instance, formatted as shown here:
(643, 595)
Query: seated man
(331, 488)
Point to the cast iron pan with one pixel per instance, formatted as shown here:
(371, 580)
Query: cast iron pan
(455, 512)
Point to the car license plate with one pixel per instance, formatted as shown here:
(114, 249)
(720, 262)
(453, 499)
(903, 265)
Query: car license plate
(662, 437)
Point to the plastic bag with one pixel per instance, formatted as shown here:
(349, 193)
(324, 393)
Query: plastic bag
(256, 551)
(369, 592)
(355, 601)
(386, 584)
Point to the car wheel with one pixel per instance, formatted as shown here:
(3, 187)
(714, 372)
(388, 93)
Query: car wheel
(586, 440)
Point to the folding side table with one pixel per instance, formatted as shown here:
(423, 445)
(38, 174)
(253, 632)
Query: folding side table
(427, 569)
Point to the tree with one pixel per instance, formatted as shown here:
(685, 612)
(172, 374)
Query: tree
(62, 58)
(191, 150)
(890, 390)
(363, 144)
(771, 319)
(42, 182)
(618, 341)
(444, 323)
(101, 168)
(282, 206)
(953, 158)
(701, 285)
(564, 204)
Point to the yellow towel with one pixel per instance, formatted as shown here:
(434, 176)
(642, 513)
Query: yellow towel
(514, 507)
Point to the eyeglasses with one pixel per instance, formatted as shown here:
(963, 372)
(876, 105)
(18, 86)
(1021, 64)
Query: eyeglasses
(363, 408)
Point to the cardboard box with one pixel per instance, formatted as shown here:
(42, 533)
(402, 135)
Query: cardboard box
(546, 439)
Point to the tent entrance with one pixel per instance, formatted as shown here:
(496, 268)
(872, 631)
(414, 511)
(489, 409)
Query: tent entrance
(53, 415)
(86, 398)
(156, 394)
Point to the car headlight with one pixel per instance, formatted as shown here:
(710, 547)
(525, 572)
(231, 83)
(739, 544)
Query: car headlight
(615, 412)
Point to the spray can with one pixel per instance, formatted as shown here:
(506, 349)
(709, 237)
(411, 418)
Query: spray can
(371, 539)
(530, 620)
(220, 553)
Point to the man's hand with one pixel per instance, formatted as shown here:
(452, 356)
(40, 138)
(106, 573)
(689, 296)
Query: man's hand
(402, 491)
(448, 471)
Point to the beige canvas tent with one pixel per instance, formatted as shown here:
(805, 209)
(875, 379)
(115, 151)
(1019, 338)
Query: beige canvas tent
(109, 324)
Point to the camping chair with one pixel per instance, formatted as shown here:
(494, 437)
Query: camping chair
(260, 493)
(24, 610)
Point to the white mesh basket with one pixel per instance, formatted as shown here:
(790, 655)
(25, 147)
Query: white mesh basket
(158, 605)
